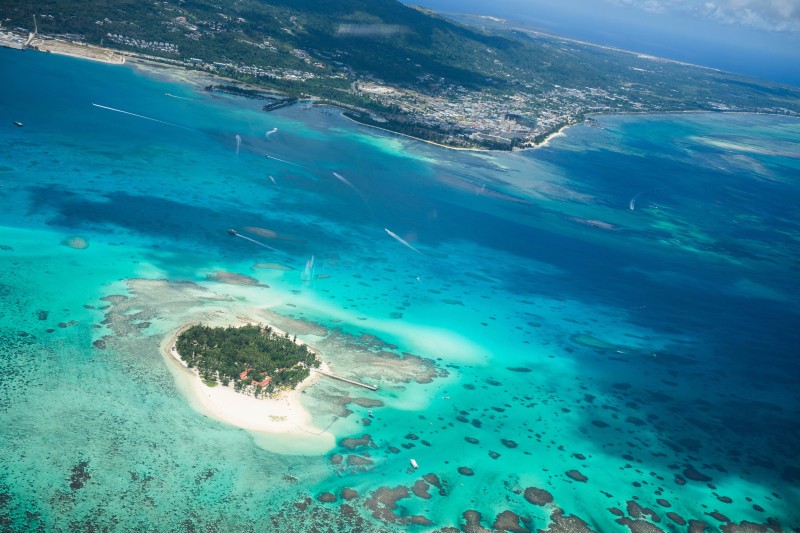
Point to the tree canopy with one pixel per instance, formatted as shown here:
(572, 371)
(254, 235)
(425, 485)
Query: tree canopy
(247, 356)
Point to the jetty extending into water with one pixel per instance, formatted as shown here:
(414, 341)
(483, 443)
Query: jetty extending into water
(346, 380)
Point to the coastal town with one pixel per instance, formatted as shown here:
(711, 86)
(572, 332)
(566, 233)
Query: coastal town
(464, 114)
(515, 108)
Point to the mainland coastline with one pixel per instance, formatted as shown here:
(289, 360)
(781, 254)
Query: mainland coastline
(80, 51)
(198, 78)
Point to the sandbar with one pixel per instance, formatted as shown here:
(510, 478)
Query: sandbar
(281, 423)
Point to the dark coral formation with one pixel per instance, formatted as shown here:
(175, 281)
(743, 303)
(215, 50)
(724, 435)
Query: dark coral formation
(577, 476)
(696, 526)
(326, 497)
(675, 517)
(637, 511)
(420, 489)
(383, 503)
(538, 496)
(80, 475)
(434, 480)
(234, 278)
(509, 521)
(355, 442)
(561, 523)
(639, 526)
(746, 527)
(472, 523)
(695, 475)
(358, 462)
(349, 494)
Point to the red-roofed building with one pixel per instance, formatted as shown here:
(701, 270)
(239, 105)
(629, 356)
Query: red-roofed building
(262, 383)
(244, 374)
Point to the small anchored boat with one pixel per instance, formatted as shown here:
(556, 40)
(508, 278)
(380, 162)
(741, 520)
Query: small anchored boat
(414, 464)
(18, 123)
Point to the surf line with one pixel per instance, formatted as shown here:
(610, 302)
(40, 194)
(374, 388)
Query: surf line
(180, 97)
(141, 116)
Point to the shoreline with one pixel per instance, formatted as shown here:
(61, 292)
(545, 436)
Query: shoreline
(552, 135)
(79, 51)
(283, 423)
(557, 133)
(197, 78)
(417, 138)
(194, 77)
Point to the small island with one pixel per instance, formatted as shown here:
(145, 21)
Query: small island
(250, 376)
(255, 359)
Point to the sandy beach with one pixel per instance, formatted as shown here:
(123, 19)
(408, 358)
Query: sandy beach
(282, 423)
(546, 142)
(94, 53)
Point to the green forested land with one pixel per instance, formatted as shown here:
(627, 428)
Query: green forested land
(423, 51)
(425, 44)
(222, 354)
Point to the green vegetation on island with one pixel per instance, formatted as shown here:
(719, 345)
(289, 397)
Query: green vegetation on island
(255, 359)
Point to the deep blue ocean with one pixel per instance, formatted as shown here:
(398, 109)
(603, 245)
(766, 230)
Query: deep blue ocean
(600, 334)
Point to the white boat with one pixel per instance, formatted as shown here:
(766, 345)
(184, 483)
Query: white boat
(414, 464)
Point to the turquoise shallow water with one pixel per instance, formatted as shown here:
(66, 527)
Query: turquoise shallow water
(611, 319)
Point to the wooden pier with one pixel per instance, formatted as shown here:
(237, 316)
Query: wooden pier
(346, 380)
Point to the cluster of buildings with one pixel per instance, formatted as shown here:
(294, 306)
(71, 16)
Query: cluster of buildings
(265, 380)
(11, 39)
(490, 116)
(257, 71)
(154, 46)
(484, 116)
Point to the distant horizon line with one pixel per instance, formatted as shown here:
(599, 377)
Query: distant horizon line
(521, 25)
